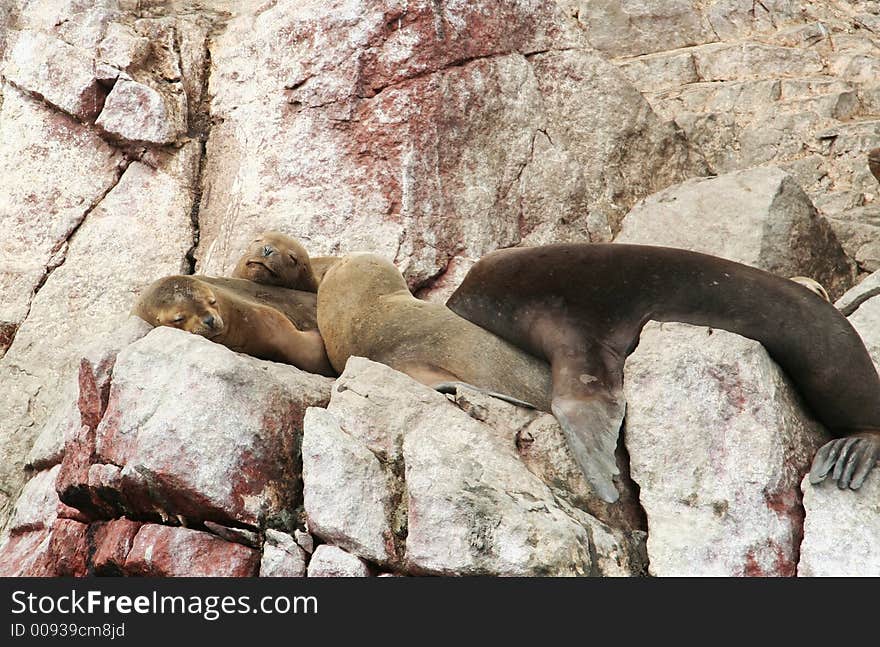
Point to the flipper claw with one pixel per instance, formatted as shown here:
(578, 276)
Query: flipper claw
(847, 460)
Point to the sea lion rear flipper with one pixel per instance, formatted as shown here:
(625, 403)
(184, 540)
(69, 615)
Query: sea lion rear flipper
(591, 427)
(588, 404)
(847, 460)
(451, 387)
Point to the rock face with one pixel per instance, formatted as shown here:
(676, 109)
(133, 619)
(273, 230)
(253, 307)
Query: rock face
(423, 132)
(760, 217)
(786, 84)
(90, 219)
(718, 441)
(140, 139)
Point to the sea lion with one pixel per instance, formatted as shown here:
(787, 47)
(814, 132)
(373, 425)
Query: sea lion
(366, 309)
(320, 265)
(581, 307)
(241, 316)
(874, 163)
(813, 286)
(276, 259)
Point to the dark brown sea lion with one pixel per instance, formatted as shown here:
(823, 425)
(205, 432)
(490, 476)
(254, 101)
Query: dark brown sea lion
(365, 309)
(874, 163)
(274, 324)
(581, 307)
(276, 259)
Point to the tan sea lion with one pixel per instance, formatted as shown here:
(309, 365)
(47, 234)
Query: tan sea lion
(365, 309)
(274, 324)
(581, 307)
(320, 265)
(813, 286)
(276, 259)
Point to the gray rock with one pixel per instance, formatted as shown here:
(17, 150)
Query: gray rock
(719, 443)
(866, 320)
(282, 557)
(841, 530)
(37, 507)
(137, 113)
(633, 27)
(305, 541)
(348, 498)
(203, 433)
(332, 561)
(122, 47)
(759, 217)
(432, 489)
(50, 68)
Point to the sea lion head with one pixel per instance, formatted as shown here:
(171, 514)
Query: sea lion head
(275, 259)
(182, 302)
(874, 162)
(812, 286)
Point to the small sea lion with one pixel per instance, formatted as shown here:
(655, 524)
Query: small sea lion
(581, 307)
(274, 324)
(365, 309)
(275, 259)
(874, 163)
(813, 286)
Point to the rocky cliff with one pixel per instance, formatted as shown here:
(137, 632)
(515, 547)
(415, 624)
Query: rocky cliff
(145, 138)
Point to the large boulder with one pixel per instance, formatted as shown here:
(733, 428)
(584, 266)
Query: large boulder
(194, 431)
(842, 526)
(719, 442)
(759, 217)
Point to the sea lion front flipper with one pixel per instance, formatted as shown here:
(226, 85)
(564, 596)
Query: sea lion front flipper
(588, 404)
(451, 387)
(847, 460)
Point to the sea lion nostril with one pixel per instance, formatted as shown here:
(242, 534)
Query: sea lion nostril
(267, 251)
(209, 321)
